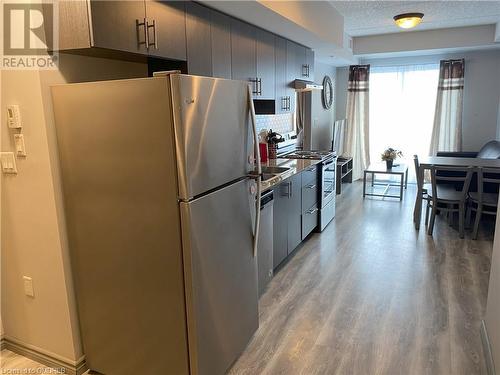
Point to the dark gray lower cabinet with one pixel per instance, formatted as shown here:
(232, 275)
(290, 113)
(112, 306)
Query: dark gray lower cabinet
(280, 223)
(287, 221)
(295, 213)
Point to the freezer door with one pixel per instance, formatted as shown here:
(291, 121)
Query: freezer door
(212, 132)
(220, 276)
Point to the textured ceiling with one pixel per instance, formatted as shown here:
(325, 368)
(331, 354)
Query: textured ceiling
(375, 17)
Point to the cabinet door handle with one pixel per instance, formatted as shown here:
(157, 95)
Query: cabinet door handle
(311, 211)
(308, 70)
(311, 169)
(155, 36)
(138, 24)
(312, 186)
(255, 84)
(290, 188)
(304, 70)
(260, 86)
(287, 190)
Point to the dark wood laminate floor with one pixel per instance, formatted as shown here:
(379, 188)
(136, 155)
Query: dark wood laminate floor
(371, 295)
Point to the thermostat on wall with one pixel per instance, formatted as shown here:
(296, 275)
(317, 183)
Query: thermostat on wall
(14, 116)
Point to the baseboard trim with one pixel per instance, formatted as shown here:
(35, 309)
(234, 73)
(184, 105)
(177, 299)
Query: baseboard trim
(76, 368)
(488, 357)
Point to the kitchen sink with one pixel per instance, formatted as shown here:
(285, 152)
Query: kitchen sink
(267, 176)
(273, 175)
(274, 170)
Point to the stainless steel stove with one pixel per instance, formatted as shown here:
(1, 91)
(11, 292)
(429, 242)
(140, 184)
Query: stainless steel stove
(327, 180)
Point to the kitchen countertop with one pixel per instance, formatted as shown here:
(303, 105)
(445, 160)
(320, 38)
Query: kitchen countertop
(296, 166)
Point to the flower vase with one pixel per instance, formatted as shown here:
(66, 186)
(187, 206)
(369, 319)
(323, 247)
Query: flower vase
(389, 163)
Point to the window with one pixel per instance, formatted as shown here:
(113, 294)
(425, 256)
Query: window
(402, 104)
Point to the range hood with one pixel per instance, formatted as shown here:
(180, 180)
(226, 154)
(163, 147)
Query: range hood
(301, 85)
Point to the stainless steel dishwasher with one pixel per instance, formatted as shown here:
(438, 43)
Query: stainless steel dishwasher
(265, 246)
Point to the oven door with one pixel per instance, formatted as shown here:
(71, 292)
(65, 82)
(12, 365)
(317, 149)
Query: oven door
(328, 181)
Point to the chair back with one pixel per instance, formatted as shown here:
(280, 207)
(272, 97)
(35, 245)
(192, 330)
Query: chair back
(488, 176)
(459, 175)
(417, 167)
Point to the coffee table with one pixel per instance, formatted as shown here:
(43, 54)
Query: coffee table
(381, 168)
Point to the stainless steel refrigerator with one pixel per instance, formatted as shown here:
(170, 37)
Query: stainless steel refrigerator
(162, 221)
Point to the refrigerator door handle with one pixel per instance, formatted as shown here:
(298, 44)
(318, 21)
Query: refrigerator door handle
(259, 172)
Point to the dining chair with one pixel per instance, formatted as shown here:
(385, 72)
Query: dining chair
(481, 202)
(449, 200)
(426, 188)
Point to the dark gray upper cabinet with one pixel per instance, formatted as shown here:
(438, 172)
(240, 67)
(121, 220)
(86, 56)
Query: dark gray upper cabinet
(117, 25)
(282, 89)
(243, 53)
(169, 29)
(154, 28)
(310, 64)
(265, 60)
(295, 59)
(221, 45)
(198, 39)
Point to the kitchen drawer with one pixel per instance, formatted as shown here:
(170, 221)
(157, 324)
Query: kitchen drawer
(310, 175)
(310, 220)
(309, 195)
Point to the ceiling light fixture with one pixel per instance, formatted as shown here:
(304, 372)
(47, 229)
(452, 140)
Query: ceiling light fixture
(408, 20)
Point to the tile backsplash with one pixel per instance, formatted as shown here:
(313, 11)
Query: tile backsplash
(282, 123)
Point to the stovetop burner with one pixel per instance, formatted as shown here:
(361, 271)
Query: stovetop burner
(315, 155)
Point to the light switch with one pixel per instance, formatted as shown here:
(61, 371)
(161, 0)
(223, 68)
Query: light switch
(19, 145)
(14, 117)
(28, 286)
(8, 162)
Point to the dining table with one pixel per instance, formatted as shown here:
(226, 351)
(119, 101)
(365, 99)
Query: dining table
(445, 161)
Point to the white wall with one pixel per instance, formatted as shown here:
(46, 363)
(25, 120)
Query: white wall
(481, 117)
(322, 119)
(458, 38)
(341, 92)
(33, 226)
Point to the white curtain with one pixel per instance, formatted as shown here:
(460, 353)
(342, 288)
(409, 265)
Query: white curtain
(447, 131)
(402, 104)
(357, 140)
(339, 137)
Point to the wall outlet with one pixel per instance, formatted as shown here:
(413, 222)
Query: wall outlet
(19, 145)
(28, 286)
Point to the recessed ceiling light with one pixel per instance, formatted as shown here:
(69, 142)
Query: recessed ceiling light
(408, 20)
